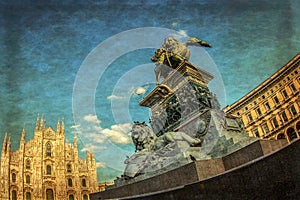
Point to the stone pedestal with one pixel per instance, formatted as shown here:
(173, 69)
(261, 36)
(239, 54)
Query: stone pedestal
(182, 98)
(254, 168)
(187, 125)
(184, 103)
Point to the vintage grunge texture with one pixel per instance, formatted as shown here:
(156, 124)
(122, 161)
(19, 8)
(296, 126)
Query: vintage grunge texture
(42, 46)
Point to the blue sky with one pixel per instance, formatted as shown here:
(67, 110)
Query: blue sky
(46, 47)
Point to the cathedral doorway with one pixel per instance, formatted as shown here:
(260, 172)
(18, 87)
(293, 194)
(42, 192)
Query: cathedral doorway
(85, 197)
(28, 196)
(71, 197)
(14, 195)
(49, 194)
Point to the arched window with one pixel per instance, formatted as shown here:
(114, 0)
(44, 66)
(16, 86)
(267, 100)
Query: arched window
(13, 177)
(70, 182)
(48, 170)
(27, 179)
(280, 136)
(71, 197)
(27, 164)
(28, 196)
(85, 197)
(291, 134)
(298, 127)
(69, 168)
(49, 194)
(14, 195)
(83, 182)
(48, 149)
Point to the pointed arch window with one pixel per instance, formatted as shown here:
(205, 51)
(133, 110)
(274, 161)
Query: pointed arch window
(14, 195)
(85, 197)
(27, 179)
(70, 182)
(49, 194)
(83, 182)
(48, 149)
(69, 168)
(28, 196)
(71, 197)
(27, 164)
(13, 177)
(48, 170)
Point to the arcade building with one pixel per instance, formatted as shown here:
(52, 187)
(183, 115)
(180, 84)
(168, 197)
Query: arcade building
(272, 109)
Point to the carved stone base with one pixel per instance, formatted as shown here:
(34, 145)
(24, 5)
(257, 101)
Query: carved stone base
(179, 98)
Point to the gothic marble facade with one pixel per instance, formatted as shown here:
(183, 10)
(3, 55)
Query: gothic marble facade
(46, 167)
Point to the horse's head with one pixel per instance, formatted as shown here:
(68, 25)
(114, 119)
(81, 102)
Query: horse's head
(157, 55)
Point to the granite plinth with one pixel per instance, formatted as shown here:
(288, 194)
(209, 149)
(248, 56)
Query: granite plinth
(274, 176)
(211, 178)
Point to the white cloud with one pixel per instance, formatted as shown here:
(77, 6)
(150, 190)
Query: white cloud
(140, 90)
(122, 127)
(91, 147)
(114, 97)
(92, 118)
(118, 133)
(95, 137)
(182, 33)
(174, 24)
(100, 165)
(75, 126)
(98, 128)
(94, 134)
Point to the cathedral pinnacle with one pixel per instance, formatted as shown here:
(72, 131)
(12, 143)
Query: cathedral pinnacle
(42, 123)
(23, 133)
(37, 122)
(58, 130)
(4, 144)
(62, 126)
(75, 140)
(8, 145)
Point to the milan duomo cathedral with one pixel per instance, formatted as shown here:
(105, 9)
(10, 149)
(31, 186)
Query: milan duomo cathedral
(46, 167)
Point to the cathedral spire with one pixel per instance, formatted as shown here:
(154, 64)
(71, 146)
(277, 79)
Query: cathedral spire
(75, 148)
(4, 144)
(37, 122)
(58, 130)
(8, 145)
(75, 141)
(22, 141)
(23, 133)
(62, 126)
(42, 123)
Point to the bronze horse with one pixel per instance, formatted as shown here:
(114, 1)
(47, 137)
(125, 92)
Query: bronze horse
(171, 54)
(168, 57)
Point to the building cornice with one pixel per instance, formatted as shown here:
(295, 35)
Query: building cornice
(265, 84)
